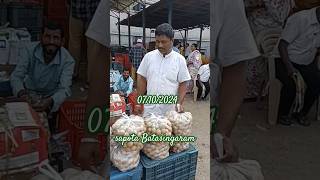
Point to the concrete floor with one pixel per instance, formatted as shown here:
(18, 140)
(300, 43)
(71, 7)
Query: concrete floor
(283, 152)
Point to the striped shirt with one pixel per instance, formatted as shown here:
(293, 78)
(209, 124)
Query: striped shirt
(84, 9)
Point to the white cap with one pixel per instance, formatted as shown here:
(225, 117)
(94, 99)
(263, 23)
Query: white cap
(139, 41)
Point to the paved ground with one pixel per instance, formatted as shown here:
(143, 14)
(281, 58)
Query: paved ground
(283, 152)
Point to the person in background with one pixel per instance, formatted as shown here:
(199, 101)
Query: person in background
(194, 62)
(181, 50)
(163, 72)
(231, 51)
(176, 46)
(81, 13)
(44, 73)
(203, 81)
(187, 51)
(124, 84)
(89, 151)
(136, 54)
(298, 47)
(264, 15)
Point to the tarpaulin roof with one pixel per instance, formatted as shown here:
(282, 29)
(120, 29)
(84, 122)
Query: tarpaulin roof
(186, 14)
(121, 5)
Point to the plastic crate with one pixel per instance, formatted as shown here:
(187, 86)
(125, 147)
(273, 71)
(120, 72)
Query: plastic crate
(56, 8)
(178, 166)
(25, 15)
(3, 14)
(134, 174)
(123, 59)
(71, 119)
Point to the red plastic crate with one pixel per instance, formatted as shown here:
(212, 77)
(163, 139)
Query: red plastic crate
(56, 8)
(132, 99)
(123, 59)
(72, 118)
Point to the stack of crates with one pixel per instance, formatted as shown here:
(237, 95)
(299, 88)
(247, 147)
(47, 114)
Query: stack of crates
(26, 15)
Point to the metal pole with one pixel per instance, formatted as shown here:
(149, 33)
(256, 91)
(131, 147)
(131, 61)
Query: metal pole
(185, 39)
(170, 4)
(200, 37)
(129, 32)
(119, 30)
(144, 24)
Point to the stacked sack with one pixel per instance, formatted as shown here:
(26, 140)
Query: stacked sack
(157, 125)
(181, 126)
(126, 157)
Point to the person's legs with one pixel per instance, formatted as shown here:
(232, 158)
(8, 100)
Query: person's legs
(133, 74)
(233, 89)
(199, 89)
(76, 33)
(207, 85)
(93, 50)
(288, 92)
(52, 122)
(311, 76)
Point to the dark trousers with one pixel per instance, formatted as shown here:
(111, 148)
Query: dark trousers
(206, 84)
(311, 76)
(52, 122)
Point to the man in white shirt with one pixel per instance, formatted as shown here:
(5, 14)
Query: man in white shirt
(203, 81)
(233, 46)
(97, 33)
(163, 72)
(298, 46)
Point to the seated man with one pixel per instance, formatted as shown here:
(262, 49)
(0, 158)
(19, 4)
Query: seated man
(298, 46)
(124, 84)
(203, 81)
(44, 71)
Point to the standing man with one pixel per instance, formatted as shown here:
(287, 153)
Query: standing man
(163, 72)
(298, 46)
(233, 46)
(98, 92)
(136, 54)
(81, 13)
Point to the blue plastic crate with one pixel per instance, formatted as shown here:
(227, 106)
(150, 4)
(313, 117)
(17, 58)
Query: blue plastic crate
(178, 166)
(134, 174)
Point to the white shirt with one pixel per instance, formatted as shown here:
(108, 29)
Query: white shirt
(204, 72)
(163, 75)
(188, 51)
(302, 32)
(99, 25)
(232, 37)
